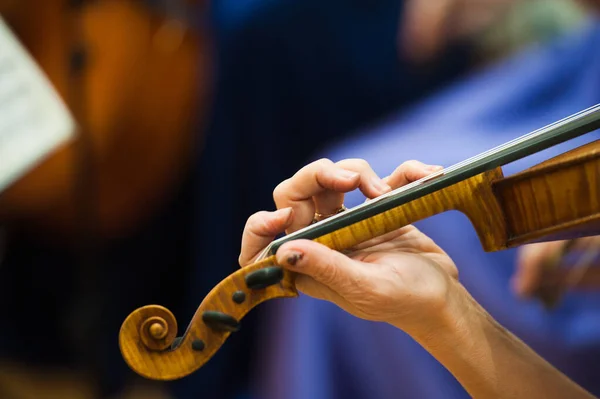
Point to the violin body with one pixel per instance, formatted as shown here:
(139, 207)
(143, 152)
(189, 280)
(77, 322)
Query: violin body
(558, 199)
(555, 200)
(138, 82)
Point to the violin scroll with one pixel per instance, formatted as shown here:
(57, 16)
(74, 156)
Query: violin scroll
(148, 335)
(158, 328)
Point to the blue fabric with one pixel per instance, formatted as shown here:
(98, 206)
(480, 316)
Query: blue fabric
(317, 351)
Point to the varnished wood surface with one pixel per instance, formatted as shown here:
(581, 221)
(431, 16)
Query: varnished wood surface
(160, 363)
(151, 358)
(473, 197)
(145, 86)
(557, 198)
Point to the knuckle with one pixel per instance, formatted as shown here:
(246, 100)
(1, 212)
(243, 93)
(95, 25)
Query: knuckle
(323, 163)
(410, 164)
(354, 163)
(255, 220)
(280, 192)
(361, 163)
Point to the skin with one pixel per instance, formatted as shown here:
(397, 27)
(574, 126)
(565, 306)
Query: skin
(403, 279)
(534, 270)
(429, 26)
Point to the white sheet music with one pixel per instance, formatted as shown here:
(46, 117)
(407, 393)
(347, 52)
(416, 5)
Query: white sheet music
(33, 119)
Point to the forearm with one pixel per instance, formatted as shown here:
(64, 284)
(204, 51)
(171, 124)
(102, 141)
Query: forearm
(488, 360)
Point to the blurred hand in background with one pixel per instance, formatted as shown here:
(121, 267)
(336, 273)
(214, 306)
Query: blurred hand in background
(493, 26)
(550, 268)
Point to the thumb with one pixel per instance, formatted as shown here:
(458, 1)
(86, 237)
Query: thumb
(330, 268)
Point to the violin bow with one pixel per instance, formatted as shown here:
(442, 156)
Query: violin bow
(494, 204)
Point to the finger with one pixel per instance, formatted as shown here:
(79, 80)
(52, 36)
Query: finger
(261, 228)
(531, 263)
(328, 267)
(409, 172)
(298, 191)
(326, 181)
(371, 185)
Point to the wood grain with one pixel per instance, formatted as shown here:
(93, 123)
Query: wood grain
(151, 357)
(555, 199)
(474, 197)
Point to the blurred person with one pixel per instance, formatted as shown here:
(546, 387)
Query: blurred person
(316, 350)
(494, 28)
(402, 280)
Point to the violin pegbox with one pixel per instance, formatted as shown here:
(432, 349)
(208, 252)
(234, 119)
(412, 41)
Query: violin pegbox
(148, 340)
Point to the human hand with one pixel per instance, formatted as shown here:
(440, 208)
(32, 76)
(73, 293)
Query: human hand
(402, 278)
(538, 272)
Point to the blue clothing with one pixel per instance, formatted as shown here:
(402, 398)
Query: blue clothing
(317, 351)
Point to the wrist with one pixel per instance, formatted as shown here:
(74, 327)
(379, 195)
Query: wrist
(446, 319)
(487, 360)
(456, 337)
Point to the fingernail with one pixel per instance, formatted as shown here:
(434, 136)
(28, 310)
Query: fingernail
(346, 174)
(434, 168)
(293, 258)
(380, 185)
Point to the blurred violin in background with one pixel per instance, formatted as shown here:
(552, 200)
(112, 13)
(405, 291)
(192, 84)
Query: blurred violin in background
(136, 76)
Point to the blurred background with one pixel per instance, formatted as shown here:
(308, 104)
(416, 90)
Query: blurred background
(189, 113)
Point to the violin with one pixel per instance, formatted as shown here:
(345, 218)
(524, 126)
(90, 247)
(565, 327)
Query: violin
(137, 77)
(558, 199)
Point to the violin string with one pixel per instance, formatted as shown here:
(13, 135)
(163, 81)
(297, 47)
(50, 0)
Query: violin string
(456, 167)
(476, 158)
(493, 151)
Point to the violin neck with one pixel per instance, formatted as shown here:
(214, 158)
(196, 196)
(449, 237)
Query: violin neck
(446, 190)
(474, 197)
